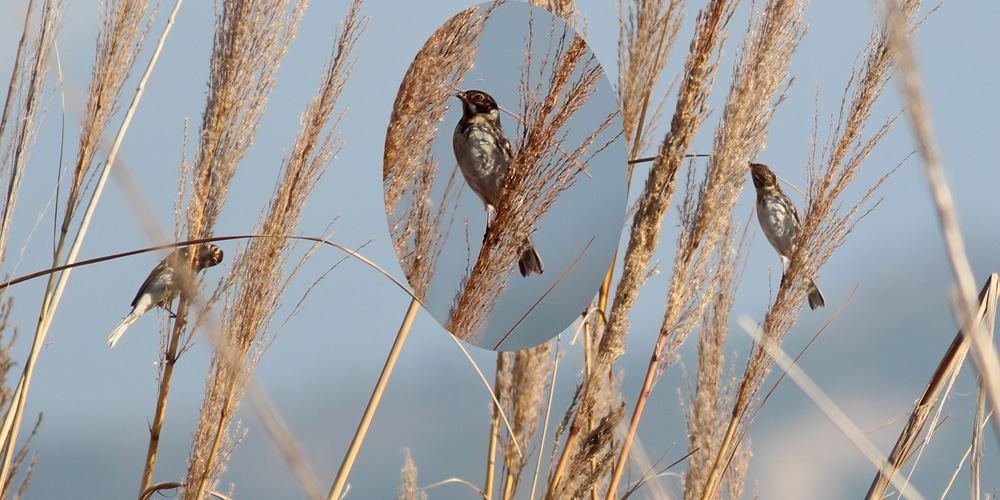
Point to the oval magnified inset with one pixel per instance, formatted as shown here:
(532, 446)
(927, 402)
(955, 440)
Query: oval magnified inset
(505, 175)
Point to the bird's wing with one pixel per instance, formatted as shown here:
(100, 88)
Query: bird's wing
(162, 270)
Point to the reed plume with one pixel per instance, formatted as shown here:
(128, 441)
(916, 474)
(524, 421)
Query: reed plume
(538, 172)
(416, 222)
(824, 226)
(700, 67)
(258, 281)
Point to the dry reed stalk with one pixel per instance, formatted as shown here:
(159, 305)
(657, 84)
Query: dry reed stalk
(794, 372)
(608, 395)
(409, 172)
(976, 449)
(540, 170)
(900, 24)
(112, 154)
(102, 178)
(824, 227)
(409, 169)
(257, 280)
(241, 77)
(706, 213)
(699, 71)
(172, 344)
(501, 387)
(143, 212)
(17, 461)
(947, 370)
(340, 482)
(971, 333)
(700, 67)
(647, 33)
(119, 41)
(707, 226)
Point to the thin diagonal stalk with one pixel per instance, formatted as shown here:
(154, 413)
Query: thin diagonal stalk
(548, 411)
(494, 434)
(952, 361)
(12, 421)
(282, 437)
(920, 119)
(99, 189)
(366, 419)
(823, 402)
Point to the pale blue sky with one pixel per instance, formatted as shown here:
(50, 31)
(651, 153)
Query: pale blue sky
(873, 359)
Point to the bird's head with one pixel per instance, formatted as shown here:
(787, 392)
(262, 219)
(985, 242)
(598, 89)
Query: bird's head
(476, 102)
(762, 176)
(208, 255)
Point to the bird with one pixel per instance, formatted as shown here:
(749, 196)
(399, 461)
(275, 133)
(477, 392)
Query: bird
(780, 221)
(163, 283)
(483, 154)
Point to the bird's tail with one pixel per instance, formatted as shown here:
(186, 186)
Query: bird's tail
(529, 261)
(117, 334)
(815, 296)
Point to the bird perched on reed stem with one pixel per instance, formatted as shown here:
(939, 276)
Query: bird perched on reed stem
(164, 283)
(483, 154)
(780, 221)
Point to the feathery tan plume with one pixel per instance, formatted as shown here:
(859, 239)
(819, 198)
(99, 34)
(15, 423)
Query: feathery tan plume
(409, 169)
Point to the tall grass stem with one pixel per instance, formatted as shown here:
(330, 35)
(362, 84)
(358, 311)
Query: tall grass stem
(352, 451)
